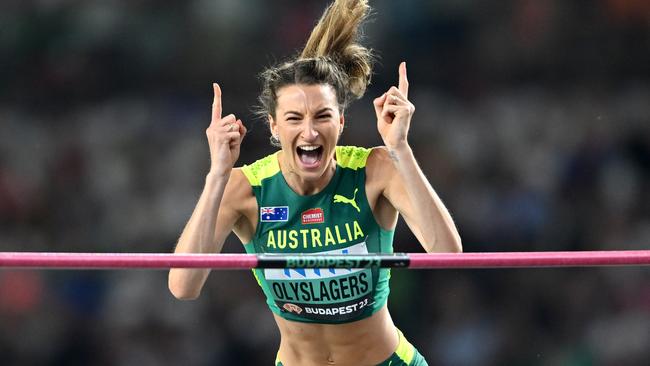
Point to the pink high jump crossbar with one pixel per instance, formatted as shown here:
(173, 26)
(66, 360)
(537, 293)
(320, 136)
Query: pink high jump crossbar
(51, 260)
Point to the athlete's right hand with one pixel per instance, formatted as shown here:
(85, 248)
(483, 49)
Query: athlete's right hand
(224, 137)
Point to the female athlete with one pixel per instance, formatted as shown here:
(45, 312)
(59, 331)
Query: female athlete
(313, 196)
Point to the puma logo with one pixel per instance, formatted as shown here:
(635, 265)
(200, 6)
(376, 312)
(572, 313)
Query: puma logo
(341, 199)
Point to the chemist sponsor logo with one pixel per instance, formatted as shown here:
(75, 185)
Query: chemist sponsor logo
(313, 216)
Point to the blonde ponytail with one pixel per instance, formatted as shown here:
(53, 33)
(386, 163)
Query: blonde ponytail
(336, 35)
(331, 56)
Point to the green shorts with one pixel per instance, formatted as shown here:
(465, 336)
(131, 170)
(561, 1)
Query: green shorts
(405, 355)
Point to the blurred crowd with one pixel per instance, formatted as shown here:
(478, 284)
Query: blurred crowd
(532, 123)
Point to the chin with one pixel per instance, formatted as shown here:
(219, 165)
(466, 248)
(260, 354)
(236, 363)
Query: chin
(312, 173)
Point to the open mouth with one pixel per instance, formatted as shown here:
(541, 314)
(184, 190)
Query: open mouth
(310, 155)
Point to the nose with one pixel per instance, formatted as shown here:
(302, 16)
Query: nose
(309, 133)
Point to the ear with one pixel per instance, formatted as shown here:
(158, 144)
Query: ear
(342, 121)
(273, 125)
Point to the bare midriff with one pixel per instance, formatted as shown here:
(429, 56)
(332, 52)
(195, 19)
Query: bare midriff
(365, 342)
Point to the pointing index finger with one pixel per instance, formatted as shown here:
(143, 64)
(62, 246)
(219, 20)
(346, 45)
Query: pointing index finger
(403, 81)
(216, 102)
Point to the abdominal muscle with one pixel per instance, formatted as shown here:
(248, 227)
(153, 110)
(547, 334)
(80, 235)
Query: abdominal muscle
(368, 341)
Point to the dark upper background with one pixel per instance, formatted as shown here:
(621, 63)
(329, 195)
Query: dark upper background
(532, 123)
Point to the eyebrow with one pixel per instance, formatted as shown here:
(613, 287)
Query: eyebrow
(322, 110)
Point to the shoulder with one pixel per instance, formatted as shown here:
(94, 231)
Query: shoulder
(380, 168)
(238, 177)
(237, 189)
(239, 203)
(379, 154)
(380, 159)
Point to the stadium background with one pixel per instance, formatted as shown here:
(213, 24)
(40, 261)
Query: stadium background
(532, 123)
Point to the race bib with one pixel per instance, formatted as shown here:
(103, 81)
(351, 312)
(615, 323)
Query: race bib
(323, 294)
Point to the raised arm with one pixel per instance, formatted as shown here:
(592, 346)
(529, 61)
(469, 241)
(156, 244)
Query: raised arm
(214, 217)
(406, 187)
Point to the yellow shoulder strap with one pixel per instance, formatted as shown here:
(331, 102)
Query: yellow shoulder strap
(352, 157)
(261, 169)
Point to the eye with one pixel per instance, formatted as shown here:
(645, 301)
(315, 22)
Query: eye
(293, 118)
(323, 116)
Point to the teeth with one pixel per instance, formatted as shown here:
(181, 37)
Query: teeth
(309, 147)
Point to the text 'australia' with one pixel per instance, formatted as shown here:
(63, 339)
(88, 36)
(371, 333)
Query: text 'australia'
(315, 237)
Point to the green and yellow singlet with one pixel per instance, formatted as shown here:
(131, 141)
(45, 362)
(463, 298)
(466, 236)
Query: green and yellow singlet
(337, 220)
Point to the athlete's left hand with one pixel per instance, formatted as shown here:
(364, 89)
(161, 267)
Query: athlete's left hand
(394, 112)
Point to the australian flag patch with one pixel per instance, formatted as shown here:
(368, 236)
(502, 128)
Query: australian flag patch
(274, 214)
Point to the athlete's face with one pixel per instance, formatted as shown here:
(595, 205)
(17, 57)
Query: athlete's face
(308, 124)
